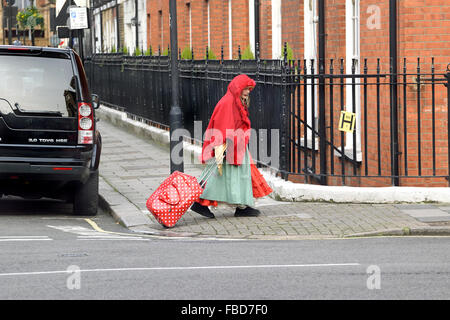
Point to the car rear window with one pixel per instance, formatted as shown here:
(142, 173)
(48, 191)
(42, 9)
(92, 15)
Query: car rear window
(38, 84)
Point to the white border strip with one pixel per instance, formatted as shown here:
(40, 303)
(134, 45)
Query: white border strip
(182, 268)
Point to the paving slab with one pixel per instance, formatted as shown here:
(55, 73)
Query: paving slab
(134, 165)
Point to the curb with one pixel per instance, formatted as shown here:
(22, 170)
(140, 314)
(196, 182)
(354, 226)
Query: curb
(421, 231)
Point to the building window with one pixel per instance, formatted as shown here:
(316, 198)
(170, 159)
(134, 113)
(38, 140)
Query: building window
(251, 24)
(208, 15)
(352, 60)
(230, 31)
(276, 29)
(310, 52)
(188, 5)
(98, 32)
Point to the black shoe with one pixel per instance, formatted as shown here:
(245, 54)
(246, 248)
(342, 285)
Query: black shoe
(202, 210)
(247, 212)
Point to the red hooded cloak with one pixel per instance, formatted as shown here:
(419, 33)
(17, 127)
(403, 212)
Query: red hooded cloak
(229, 121)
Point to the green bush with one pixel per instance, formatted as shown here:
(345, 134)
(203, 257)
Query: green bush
(186, 54)
(148, 52)
(290, 52)
(137, 52)
(165, 53)
(30, 18)
(248, 54)
(211, 55)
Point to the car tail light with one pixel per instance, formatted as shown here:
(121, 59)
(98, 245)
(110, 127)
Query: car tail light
(85, 123)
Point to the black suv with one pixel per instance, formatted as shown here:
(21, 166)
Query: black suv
(49, 145)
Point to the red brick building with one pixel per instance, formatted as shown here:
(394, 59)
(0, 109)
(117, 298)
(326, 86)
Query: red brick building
(355, 30)
(423, 27)
(200, 23)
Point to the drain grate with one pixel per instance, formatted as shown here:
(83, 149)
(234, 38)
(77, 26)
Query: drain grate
(73, 255)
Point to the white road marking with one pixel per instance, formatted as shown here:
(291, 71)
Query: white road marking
(185, 268)
(89, 234)
(106, 239)
(109, 238)
(4, 237)
(24, 238)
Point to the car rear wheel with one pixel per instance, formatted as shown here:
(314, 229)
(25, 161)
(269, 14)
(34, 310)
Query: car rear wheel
(86, 197)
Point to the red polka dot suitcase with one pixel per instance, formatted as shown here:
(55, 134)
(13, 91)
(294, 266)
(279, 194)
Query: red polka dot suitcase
(173, 198)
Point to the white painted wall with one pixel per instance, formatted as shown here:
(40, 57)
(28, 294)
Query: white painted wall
(110, 32)
(129, 30)
(276, 29)
(97, 35)
(352, 51)
(230, 30)
(143, 24)
(251, 25)
(58, 4)
(209, 24)
(310, 51)
(310, 29)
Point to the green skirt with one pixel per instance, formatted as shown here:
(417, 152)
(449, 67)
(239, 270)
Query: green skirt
(234, 186)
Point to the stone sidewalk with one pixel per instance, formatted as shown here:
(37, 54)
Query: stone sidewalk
(132, 168)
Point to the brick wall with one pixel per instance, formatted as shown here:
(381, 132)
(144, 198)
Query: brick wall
(240, 25)
(423, 31)
(159, 13)
(265, 27)
(219, 27)
(199, 23)
(292, 25)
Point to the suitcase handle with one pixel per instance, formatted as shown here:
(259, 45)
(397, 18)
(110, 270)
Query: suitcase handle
(209, 170)
(165, 196)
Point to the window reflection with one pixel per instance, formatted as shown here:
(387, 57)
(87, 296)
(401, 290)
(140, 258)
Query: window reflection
(35, 84)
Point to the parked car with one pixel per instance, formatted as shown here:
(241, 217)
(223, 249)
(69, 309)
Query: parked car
(49, 145)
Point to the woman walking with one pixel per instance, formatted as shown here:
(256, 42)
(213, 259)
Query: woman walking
(237, 181)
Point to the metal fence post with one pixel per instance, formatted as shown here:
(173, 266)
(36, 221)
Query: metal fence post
(175, 110)
(258, 103)
(284, 123)
(447, 75)
(394, 92)
(322, 123)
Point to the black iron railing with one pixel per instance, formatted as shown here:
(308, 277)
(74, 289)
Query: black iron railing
(285, 102)
(381, 147)
(141, 87)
